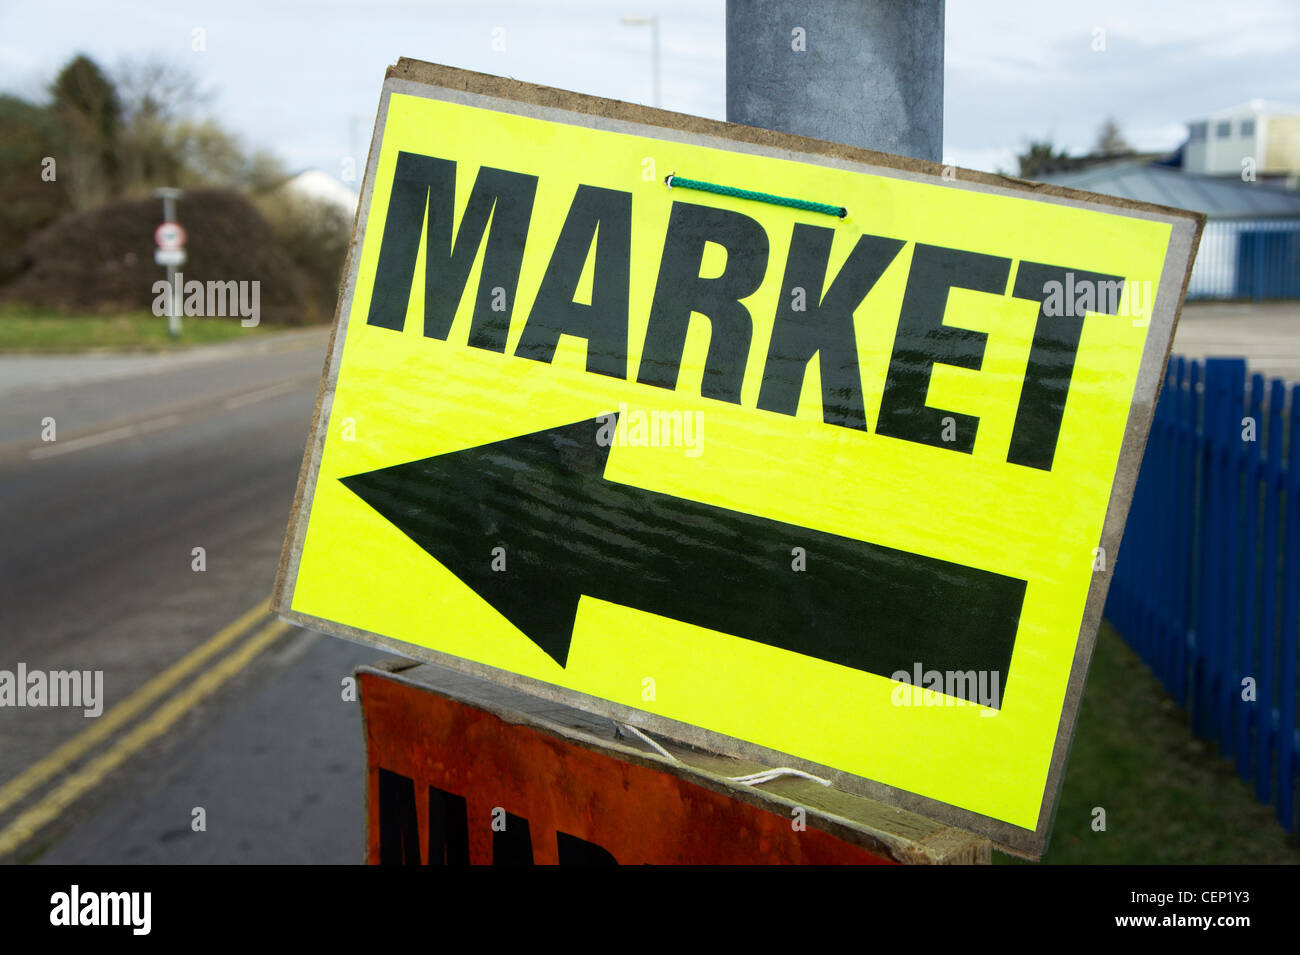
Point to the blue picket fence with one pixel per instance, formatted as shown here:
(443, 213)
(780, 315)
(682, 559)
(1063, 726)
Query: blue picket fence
(1207, 585)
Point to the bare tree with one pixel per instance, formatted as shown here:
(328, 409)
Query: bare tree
(157, 96)
(1110, 141)
(169, 139)
(159, 89)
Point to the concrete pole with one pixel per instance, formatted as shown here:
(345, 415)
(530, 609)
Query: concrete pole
(866, 73)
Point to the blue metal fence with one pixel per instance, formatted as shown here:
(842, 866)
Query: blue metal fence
(1255, 259)
(1207, 585)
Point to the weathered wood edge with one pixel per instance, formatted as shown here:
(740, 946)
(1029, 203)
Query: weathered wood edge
(883, 830)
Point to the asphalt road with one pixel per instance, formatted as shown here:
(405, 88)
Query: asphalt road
(153, 457)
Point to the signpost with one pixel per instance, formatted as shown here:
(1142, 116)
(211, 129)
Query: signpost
(794, 451)
(170, 239)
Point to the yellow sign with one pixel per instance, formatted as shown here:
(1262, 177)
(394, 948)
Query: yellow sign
(793, 450)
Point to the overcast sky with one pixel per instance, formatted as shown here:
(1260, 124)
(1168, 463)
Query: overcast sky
(302, 79)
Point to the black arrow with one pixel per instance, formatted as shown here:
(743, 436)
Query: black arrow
(568, 531)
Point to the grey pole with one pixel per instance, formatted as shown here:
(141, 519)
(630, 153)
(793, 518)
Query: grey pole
(169, 197)
(866, 73)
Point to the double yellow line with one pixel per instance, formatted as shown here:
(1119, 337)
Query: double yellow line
(76, 785)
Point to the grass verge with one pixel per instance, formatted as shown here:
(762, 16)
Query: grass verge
(1169, 797)
(29, 330)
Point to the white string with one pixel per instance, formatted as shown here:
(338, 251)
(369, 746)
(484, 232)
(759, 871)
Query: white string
(751, 779)
(657, 748)
(767, 775)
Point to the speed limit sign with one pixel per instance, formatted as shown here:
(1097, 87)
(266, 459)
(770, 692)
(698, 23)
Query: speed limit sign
(169, 236)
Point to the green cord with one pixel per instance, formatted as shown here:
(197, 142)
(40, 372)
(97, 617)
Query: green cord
(676, 182)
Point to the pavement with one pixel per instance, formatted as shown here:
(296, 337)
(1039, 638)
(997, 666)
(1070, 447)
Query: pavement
(1267, 335)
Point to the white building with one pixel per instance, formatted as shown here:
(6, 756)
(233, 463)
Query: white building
(323, 187)
(1255, 140)
(1250, 248)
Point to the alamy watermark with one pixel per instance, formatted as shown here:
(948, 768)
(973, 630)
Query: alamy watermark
(211, 299)
(75, 907)
(1075, 298)
(53, 688)
(948, 688)
(652, 428)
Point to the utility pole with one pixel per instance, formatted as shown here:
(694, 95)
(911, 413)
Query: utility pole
(866, 73)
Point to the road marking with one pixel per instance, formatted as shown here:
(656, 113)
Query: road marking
(49, 766)
(84, 780)
(104, 437)
(238, 401)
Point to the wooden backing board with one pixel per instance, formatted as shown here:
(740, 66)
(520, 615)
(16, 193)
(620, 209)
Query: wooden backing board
(528, 99)
(884, 831)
